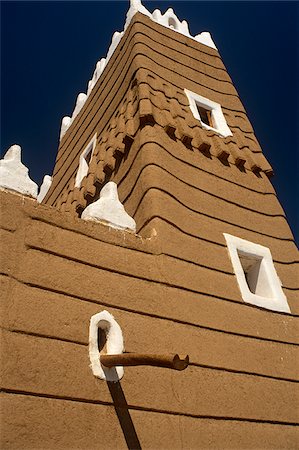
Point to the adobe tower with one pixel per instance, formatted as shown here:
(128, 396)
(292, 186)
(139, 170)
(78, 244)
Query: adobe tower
(159, 228)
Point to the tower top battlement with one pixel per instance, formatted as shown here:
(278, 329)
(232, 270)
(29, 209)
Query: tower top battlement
(168, 19)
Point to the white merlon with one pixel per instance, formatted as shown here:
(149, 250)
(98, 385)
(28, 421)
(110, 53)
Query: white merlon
(168, 19)
(206, 39)
(114, 43)
(65, 123)
(96, 75)
(46, 184)
(135, 7)
(14, 175)
(81, 99)
(79, 104)
(105, 322)
(108, 209)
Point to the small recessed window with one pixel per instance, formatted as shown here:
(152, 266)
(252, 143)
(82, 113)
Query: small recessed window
(209, 113)
(84, 162)
(88, 155)
(256, 275)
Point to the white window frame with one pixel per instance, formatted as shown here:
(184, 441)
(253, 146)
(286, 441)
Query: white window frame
(218, 119)
(275, 298)
(83, 165)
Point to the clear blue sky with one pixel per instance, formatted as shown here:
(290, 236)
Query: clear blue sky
(49, 50)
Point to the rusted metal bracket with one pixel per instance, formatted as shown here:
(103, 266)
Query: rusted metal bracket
(174, 362)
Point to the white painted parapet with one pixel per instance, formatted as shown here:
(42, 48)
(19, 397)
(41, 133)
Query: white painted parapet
(206, 39)
(168, 19)
(114, 43)
(135, 7)
(46, 184)
(65, 123)
(108, 209)
(14, 175)
(114, 345)
(96, 75)
(79, 104)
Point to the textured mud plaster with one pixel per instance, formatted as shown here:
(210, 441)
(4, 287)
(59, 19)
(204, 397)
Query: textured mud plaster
(108, 209)
(114, 345)
(256, 274)
(14, 175)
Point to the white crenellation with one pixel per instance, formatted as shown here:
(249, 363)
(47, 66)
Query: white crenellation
(65, 123)
(168, 19)
(206, 39)
(135, 7)
(114, 43)
(14, 175)
(79, 104)
(46, 184)
(96, 75)
(109, 210)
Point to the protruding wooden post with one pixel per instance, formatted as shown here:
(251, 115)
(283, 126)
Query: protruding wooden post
(141, 359)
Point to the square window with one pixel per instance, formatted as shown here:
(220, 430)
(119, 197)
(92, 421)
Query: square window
(256, 275)
(209, 113)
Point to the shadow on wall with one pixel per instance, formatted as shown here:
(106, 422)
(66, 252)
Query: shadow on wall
(123, 415)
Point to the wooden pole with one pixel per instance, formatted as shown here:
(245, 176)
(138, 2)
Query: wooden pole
(141, 359)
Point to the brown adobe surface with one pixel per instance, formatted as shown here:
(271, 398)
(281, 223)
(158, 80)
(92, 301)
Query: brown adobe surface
(137, 87)
(171, 288)
(53, 417)
(59, 270)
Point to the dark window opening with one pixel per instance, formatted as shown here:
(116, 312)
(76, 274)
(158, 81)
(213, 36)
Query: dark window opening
(87, 157)
(205, 115)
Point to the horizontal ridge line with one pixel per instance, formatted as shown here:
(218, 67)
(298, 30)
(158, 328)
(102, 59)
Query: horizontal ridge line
(191, 363)
(170, 319)
(144, 409)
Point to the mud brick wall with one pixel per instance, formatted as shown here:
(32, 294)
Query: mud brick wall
(143, 83)
(239, 391)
